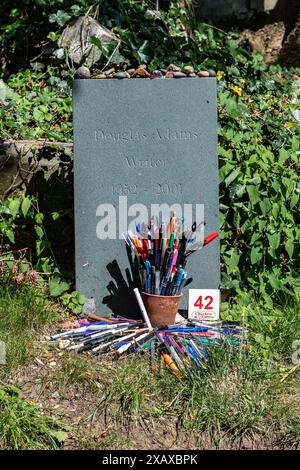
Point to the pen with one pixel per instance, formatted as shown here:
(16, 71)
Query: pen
(148, 276)
(167, 255)
(157, 282)
(153, 273)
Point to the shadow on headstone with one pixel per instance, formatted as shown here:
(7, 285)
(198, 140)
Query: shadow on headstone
(121, 300)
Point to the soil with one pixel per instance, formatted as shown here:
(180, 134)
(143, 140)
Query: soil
(279, 41)
(97, 424)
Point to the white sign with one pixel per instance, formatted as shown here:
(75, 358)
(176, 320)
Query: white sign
(204, 304)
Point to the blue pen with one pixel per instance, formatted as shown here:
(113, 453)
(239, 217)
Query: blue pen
(193, 355)
(200, 354)
(152, 279)
(179, 280)
(183, 281)
(163, 286)
(228, 330)
(148, 276)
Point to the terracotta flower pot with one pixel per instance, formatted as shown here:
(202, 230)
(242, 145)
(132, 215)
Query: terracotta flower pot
(161, 309)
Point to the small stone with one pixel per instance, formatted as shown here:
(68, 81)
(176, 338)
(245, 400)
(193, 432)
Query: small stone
(141, 72)
(109, 71)
(192, 74)
(121, 75)
(212, 73)
(39, 362)
(101, 75)
(83, 72)
(203, 73)
(156, 74)
(130, 71)
(64, 343)
(179, 75)
(187, 69)
(174, 68)
(169, 74)
(164, 71)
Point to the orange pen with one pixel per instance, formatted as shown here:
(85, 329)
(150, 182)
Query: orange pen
(171, 227)
(169, 361)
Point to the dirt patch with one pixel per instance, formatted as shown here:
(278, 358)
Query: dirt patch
(276, 42)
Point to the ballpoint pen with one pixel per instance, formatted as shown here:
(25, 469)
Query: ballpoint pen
(178, 280)
(199, 245)
(148, 276)
(167, 254)
(183, 281)
(153, 272)
(157, 282)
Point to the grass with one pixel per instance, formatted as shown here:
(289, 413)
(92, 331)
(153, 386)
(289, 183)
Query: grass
(24, 314)
(23, 427)
(238, 402)
(75, 370)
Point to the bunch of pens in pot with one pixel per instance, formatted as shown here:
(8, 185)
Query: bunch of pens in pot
(162, 253)
(185, 348)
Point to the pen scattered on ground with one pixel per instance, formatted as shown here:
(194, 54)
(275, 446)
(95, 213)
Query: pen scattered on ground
(185, 348)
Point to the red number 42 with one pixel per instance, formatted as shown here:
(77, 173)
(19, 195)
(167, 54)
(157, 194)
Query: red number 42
(199, 302)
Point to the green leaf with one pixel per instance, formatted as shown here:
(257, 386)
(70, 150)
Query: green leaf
(274, 281)
(232, 176)
(4, 210)
(81, 299)
(26, 203)
(55, 215)
(14, 206)
(75, 308)
(289, 246)
(275, 209)
(39, 231)
(255, 237)
(294, 200)
(38, 115)
(255, 254)
(39, 218)
(232, 261)
(40, 246)
(57, 287)
(60, 17)
(10, 235)
(265, 205)
(274, 240)
(253, 193)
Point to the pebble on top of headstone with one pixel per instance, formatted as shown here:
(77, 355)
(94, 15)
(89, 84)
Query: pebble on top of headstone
(141, 71)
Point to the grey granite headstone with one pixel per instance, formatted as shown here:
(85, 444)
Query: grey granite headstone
(154, 141)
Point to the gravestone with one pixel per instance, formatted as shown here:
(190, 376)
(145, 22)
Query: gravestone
(140, 141)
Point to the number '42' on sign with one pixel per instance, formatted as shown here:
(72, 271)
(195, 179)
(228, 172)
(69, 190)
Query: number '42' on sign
(204, 304)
